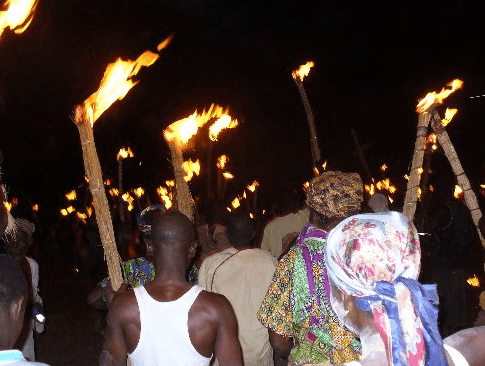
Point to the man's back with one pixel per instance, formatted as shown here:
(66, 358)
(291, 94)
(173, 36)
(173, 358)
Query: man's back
(200, 323)
(243, 277)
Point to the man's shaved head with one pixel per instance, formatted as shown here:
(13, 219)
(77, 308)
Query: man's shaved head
(173, 229)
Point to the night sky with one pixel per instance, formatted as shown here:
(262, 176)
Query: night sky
(372, 65)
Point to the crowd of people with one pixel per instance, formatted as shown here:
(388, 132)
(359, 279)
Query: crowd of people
(333, 280)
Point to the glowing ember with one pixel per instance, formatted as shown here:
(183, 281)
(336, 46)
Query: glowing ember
(117, 82)
(228, 175)
(390, 199)
(244, 195)
(236, 203)
(86, 178)
(458, 191)
(114, 192)
(225, 121)
(35, 208)
(303, 71)
(124, 153)
(138, 192)
(449, 114)
(306, 185)
(82, 216)
(222, 161)
(251, 215)
(473, 281)
(432, 98)
(253, 186)
(228, 209)
(18, 15)
(190, 168)
(71, 196)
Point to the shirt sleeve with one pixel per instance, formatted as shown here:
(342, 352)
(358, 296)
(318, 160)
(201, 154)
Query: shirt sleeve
(275, 312)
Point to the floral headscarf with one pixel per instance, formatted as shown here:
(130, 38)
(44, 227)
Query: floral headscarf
(376, 258)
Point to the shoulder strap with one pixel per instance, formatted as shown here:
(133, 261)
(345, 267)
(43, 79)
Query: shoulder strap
(224, 261)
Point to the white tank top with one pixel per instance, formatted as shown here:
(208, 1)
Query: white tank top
(164, 335)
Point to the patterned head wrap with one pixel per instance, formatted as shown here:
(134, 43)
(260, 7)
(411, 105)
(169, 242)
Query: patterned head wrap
(335, 194)
(376, 258)
(142, 218)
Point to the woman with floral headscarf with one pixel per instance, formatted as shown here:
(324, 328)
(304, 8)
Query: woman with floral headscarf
(373, 261)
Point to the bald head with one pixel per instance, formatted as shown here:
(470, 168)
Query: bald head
(172, 229)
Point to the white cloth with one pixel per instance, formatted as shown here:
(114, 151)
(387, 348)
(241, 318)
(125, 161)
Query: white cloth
(164, 335)
(243, 277)
(279, 227)
(455, 358)
(15, 358)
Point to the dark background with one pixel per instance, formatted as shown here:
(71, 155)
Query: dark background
(373, 62)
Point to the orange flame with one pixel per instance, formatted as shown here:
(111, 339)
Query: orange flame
(35, 208)
(7, 205)
(64, 212)
(114, 192)
(458, 191)
(128, 199)
(138, 192)
(71, 196)
(383, 167)
(124, 153)
(222, 161)
(18, 16)
(165, 197)
(449, 114)
(228, 175)
(182, 130)
(473, 281)
(190, 168)
(253, 186)
(117, 82)
(236, 203)
(89, 210)
(433, 97)
(225, 121)
(107, 182)
(302, 71)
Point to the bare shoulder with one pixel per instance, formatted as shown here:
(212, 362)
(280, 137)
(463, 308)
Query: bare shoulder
(469, 342)
(123, 307)
(214, 304)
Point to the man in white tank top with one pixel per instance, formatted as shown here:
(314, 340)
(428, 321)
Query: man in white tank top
(168, 321)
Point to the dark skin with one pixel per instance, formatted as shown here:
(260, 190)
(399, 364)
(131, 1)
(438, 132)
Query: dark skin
(212, 324)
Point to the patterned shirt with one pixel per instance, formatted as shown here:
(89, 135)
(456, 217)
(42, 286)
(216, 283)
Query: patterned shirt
(297, 305)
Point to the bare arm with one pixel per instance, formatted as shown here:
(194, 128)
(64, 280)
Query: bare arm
(115, 350)
(281, 347)
(469, 342)
(227, 347)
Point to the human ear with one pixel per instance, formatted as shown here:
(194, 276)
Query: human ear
(17, 308)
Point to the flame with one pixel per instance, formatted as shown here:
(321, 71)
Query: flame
(190, 168)
(86, 178)
(382, 185)
(82, 216)
(236, 202)
(116, 83)
(222, 161)
(107, 182)
(383, 167)
(302, 71)
(182, 130)
(89, 211)
(228, 209)
(170, 183)
(127, 198)
(18, 16)
(114, 192)
(253, 186)
(449, 114)
(458, 191)
(225, 121)
(473, 281)
(15, 201)
(64, 212)
(124, 153)
(7, 205)
(164, 196)
(306, 185)
(228, 175)
(138, 192)
(433, 97)
(71, 196)
(419, 194)
(406, 176)
(70, 209)
(482, 185)
(251, 215)
(35, 208)
(390, 199)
